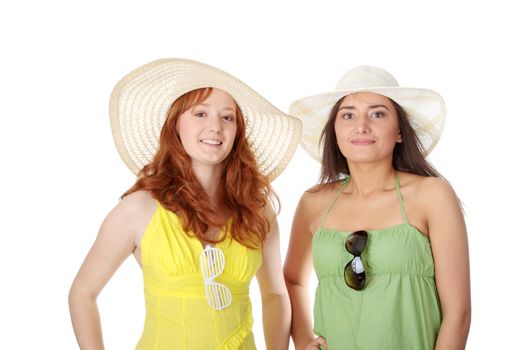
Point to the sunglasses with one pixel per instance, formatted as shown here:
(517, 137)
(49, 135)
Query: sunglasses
(212, 263)
(355, 277)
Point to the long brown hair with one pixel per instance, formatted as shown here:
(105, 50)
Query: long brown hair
(408, 155)
(170, 179)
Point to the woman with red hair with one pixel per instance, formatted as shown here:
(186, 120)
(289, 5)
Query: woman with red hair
(199, 219)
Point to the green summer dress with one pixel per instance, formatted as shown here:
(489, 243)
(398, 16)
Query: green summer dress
(398, 308)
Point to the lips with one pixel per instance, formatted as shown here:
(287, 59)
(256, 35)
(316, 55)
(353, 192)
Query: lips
(211, 142)
(362, 142)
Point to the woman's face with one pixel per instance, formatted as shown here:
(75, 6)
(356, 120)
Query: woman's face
(366, 127)
(207, 130)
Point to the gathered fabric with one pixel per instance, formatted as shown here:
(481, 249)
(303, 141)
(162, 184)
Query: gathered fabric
(399, 307)
(177, 312)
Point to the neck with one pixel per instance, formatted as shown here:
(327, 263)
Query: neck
(369, 178)
(209, 178)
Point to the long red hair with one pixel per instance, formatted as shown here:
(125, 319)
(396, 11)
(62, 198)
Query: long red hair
(170, 180)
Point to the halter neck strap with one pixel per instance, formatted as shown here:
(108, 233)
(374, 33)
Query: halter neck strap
(400, 200)
(345, 182)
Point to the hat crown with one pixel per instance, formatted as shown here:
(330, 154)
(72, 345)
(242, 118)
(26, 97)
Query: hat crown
(363, 77)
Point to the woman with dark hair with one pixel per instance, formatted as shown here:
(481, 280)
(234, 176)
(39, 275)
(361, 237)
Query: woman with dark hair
(383, 230)
(199, 219)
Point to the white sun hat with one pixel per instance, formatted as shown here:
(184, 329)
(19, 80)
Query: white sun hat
(425, 109)
(140, 103)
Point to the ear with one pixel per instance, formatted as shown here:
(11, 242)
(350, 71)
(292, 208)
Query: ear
(399, 138)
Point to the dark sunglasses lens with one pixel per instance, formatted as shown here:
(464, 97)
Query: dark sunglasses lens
(354, 280)
(356, 242)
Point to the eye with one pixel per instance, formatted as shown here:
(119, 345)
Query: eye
(347, 116)
(200, 114)
(229, 118)
(377, 114)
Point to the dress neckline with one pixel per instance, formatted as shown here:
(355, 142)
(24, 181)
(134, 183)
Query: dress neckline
(405, 222)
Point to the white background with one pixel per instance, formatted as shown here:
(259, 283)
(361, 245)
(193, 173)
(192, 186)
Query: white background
(61, 173)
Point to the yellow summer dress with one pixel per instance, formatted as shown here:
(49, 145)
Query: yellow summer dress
(177, 313)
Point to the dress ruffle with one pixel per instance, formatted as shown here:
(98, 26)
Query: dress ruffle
(237, 338)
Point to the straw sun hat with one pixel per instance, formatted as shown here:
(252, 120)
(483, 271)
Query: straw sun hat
(140, 102)
(425, 109)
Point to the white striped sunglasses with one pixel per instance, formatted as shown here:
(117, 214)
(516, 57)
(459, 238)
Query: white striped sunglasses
(212, 263)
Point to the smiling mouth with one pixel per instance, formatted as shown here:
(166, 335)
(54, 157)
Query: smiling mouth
(211, 142)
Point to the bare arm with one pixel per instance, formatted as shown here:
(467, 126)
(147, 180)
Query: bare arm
(275, 301)
(448, 238)
(114, 243)
(297, 270)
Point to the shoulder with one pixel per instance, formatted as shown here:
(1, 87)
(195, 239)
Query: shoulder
(432, 193)
(426, 186)
(271, 209)
(318, 194)
(129, 217)
(136, 208)
(312, 204)
(138, 201)
(436, 188)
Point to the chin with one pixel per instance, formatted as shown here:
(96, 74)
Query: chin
(361, 157)
(220, 161)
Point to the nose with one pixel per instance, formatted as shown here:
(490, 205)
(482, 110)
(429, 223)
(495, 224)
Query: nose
(362, 126)
(214, 123)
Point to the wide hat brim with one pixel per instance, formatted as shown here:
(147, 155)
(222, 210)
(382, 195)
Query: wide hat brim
(425, 111)
(140, 103)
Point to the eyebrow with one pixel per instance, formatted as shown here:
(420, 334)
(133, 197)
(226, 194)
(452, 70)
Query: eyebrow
(208, 105)
(379, 106)
(371, 106)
